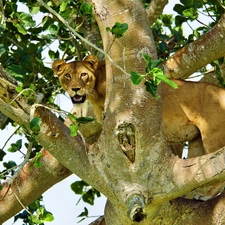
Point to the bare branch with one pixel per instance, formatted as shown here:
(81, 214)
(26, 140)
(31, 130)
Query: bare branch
(190, 174)
(155, 9)
(197, 54)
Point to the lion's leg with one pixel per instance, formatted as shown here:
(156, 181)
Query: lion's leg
(98, 111)
(195, 147)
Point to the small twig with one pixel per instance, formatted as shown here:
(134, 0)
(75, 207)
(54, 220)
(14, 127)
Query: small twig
(80, 37)
(10, 137)
(22, 93)
(82, 137)
(21, 203)
(34, 106)
(20, 167)
(5, 193)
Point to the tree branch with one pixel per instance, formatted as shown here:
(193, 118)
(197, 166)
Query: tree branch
(30, 184)
(155, 9)
(192, 173)
(197, 54)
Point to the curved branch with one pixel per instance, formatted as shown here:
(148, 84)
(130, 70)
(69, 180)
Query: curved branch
(155, 9)
(192, 173)
(197, 54)
(30, 184)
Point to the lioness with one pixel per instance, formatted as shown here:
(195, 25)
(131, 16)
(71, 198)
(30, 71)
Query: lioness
(83, 80)
(193, 113)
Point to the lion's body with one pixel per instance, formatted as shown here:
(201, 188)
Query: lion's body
(193, 113)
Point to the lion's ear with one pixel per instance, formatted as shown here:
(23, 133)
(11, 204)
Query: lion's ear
(57, 66)
(92, 60)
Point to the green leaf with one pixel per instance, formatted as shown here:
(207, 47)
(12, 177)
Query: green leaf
(151, 87)
(136, 77)
(155, 63)
(19, 88)
(191, 13)
(150, 64)
(119, 29)
(72, 118)
(49, 217)
(158, 74)
(35, 124)
(10, 164)
(73, 129)
(2, 154)
(63, 6)
(36, 161)
(34, 10)
(179, 8)
(86, 9)
(78, 186)
(89, 197)
(15, 146)
(84, 120)
(20, 28)
(26, 19)
(147, 58)
(84, 213)
(34, 219)
(2, 49)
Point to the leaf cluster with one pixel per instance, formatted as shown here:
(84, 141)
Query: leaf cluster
(76, 122)
(153, 76)
(36, 213)
(118, 30)
(87, 192)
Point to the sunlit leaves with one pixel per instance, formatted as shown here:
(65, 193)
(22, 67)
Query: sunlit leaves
(35, 214)
(36, 160)
(118, 30)
(86, 9)
(76, 122)
(35, 124)
(153, 76)
(15, 146)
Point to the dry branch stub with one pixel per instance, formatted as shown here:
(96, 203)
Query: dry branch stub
(136, 208)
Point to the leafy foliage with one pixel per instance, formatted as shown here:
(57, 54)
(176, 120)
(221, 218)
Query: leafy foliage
(76, 122)
(119, 29)
(36, 213)
(153, 76)
(35, 124)
(85, 190)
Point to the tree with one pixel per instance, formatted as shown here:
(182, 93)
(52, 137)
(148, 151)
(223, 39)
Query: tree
(147, 188)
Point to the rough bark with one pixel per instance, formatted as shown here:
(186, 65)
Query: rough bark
(155, 9)
(197, 54)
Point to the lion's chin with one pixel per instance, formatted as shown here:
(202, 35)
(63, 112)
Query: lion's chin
(76, 99)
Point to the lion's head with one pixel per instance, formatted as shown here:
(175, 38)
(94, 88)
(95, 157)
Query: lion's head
(77, 77)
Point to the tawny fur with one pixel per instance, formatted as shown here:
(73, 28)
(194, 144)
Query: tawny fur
(192, 113)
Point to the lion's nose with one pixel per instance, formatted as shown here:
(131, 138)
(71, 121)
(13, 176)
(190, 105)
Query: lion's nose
(75, 89)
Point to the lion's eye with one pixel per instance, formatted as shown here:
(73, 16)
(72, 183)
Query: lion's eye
(83, 75)
(67, 76)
